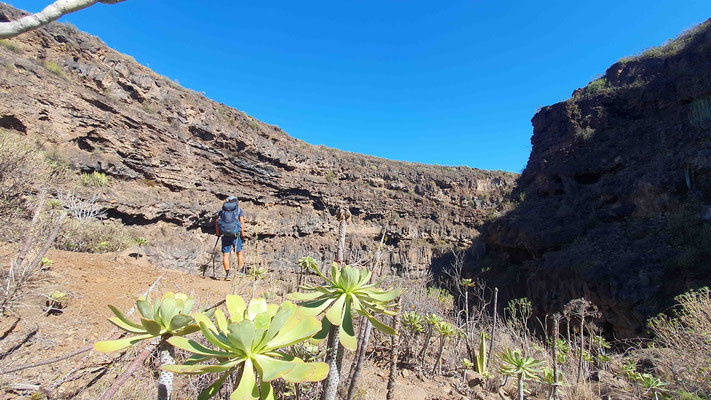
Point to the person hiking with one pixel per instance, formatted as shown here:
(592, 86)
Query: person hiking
(230, 226)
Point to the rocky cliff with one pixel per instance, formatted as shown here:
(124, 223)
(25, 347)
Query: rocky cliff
(615, 201)
(173, 155)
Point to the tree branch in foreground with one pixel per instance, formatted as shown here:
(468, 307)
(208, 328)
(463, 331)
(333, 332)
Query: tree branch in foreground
(50, 13)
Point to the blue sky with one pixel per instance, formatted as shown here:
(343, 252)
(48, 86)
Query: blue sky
(452, 82)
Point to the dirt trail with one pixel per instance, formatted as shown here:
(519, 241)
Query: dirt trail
(95, 280)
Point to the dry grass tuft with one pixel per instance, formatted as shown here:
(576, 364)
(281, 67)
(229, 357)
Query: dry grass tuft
(684, 341)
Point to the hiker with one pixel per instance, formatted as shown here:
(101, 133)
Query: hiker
(230, 225)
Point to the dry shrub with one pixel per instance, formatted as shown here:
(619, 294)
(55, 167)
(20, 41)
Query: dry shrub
(419, 296)
(581, 391)
(24, 273)
(93, 236)
(23, 170)
(684, 338)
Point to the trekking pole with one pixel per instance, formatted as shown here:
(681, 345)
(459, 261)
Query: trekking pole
(213, 259)
(243, 269)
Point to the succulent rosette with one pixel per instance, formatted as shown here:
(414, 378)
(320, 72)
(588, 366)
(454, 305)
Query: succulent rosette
(348, 290)
(250, 341)
(168, 316)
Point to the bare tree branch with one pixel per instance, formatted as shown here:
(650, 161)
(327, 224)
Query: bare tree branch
(128, 372)
(28, 240)
(50, 13)
(50, 361)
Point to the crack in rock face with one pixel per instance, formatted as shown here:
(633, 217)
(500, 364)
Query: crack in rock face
(13, 123)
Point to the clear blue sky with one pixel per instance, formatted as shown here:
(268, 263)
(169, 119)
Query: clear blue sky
(452, 82)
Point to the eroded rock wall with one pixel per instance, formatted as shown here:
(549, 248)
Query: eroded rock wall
(614, 202)
(173, 156)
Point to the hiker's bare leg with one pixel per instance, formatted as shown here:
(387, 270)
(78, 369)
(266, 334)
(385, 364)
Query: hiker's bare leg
(240, 261)
(226, 261)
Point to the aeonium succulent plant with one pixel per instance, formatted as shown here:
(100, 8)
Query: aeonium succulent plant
(446, 330)
(349, 289)
(168, 316)
(433, 320)
(522, 367)
(250, 341)
(413, 322)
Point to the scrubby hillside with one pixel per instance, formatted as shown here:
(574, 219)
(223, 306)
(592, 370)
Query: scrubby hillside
(615, 202)
(172, 155)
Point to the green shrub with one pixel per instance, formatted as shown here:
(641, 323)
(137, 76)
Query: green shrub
(71, 27)
(671, 46)
(54, 68)
(224, 113)
(330, 176)
(443, 297)
(11, 45)
(688, 396)
(517, 312)
(585, 133)
(149, 107)
(94, 236)
(597, 86)
(94, 179)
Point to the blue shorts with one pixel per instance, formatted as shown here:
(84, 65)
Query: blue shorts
(229, 242)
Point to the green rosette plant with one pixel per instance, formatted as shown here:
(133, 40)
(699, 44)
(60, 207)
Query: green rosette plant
(432, 321)
(523, 368)
(349, 289)
(346, 291)
(445, 330)
(413, 322)
(250, 341)
(168, 316)
(413, 325)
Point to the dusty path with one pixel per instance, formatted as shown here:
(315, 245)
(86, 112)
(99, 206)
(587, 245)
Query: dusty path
(95, 280)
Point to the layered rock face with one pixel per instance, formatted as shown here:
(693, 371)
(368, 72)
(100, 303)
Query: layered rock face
(614, 204)
(173, 156)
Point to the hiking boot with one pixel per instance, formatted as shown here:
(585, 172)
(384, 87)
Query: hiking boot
(227, 274)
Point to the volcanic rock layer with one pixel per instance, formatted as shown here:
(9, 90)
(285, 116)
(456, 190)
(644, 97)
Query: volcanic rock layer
(173, 155)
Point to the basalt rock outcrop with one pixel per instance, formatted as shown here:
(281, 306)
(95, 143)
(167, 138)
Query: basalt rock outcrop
(615, 201)
(172, 156)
